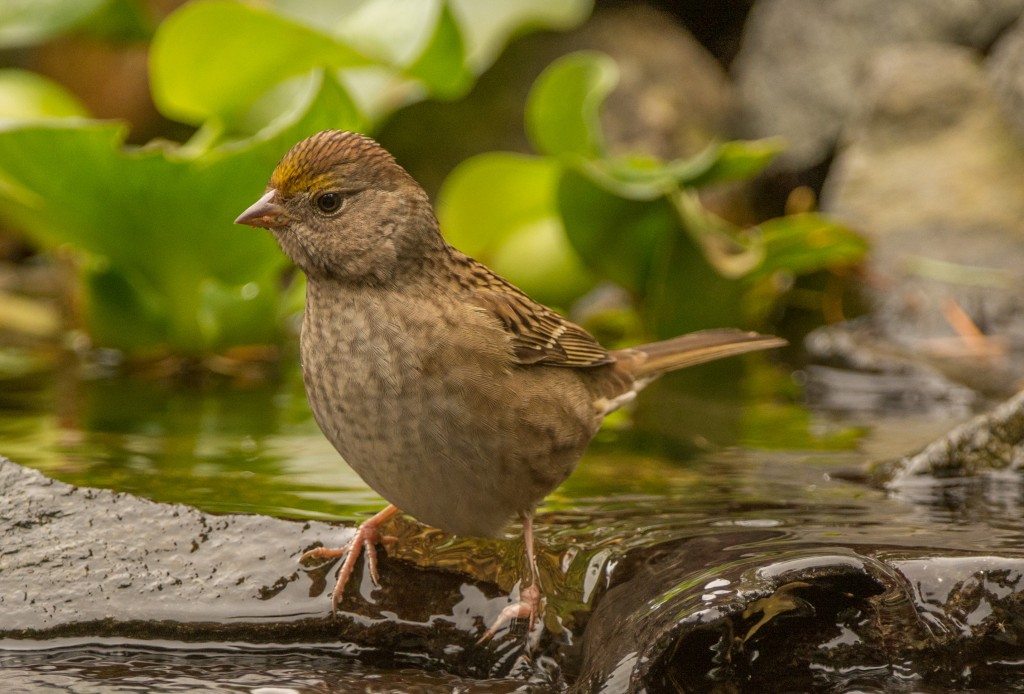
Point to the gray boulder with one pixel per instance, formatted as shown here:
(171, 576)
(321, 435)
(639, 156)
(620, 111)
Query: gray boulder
(802, 63)
(932, 172)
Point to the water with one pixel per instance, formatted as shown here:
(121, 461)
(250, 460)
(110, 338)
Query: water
(88, 667)
(738, 480)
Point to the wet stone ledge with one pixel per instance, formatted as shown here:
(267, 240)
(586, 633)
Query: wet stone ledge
(750, 609)
(991, 442)
(79, 562)
(806, 620)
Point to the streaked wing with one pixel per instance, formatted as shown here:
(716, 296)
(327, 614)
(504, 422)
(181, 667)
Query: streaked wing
(538, 334)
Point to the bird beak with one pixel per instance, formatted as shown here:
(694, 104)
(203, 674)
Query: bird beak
(265, 212)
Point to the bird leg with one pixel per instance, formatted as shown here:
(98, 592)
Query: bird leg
(365, 540)
(529, 592)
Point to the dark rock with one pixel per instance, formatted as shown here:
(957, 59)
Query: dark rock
(795, 621)
(990, 442)
(79, 562)
(858, 369)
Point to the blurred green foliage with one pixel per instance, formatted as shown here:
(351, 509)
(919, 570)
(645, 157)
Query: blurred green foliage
(25, 95)
(165, 270)
(163, 267)
(27, 23)
(161, 262)
(635, 221)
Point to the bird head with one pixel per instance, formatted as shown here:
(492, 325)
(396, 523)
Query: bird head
(341, 207)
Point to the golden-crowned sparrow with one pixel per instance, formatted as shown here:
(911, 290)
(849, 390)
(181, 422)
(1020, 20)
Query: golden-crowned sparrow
(454, 395)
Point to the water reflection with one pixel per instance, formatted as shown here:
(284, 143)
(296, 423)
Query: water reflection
(254, 447)
(219, 447)
(112, 668)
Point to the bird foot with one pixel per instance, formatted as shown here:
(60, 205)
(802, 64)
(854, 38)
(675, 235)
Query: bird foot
(366, 538)
(526, 608)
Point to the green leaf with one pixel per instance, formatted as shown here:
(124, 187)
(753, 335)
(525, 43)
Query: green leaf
(121, 21)
(734, 252)
(286, 102)
(618, 237)
(394, 32)
(124, 303)
(500, 208)
(165, 266)
(211, 60)
(487, 198)
(641, 246)
(237, 313)
(803, 243)
(634, 177)
(487, 26)
(685, 292)
(642, 177)
(25, 96)
(540, 260)
(736, 160)
(415, 48)
(798, 245)
(563, 109)
(27, 22)
(442, 65)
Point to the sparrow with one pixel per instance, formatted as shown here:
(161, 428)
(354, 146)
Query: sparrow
(453, 394)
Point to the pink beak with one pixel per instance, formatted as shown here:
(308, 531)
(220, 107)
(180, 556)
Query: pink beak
(263, 213)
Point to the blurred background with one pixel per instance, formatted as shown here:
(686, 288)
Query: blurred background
(844, 174)
(847, 174)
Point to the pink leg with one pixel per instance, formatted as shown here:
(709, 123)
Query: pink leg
(529, 593)
(366, 537)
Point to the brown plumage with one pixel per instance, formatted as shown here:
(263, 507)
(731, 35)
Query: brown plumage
(454, 395)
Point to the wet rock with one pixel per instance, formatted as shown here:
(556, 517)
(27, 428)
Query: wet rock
(800, 67)
(95, 669)
(782, 584)
(857, 370)
(990, 442)
(801, 620)
(712, 613)
(79, 562)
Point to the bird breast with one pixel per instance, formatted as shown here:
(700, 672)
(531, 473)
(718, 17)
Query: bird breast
(420, 396)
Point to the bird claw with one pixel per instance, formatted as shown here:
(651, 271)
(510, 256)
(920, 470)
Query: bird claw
(366, 537)
(526, 608)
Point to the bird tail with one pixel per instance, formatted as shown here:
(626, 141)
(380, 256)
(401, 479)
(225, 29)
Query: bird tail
(652, 360)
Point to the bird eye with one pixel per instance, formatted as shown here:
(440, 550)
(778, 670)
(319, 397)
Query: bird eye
(329, 202)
